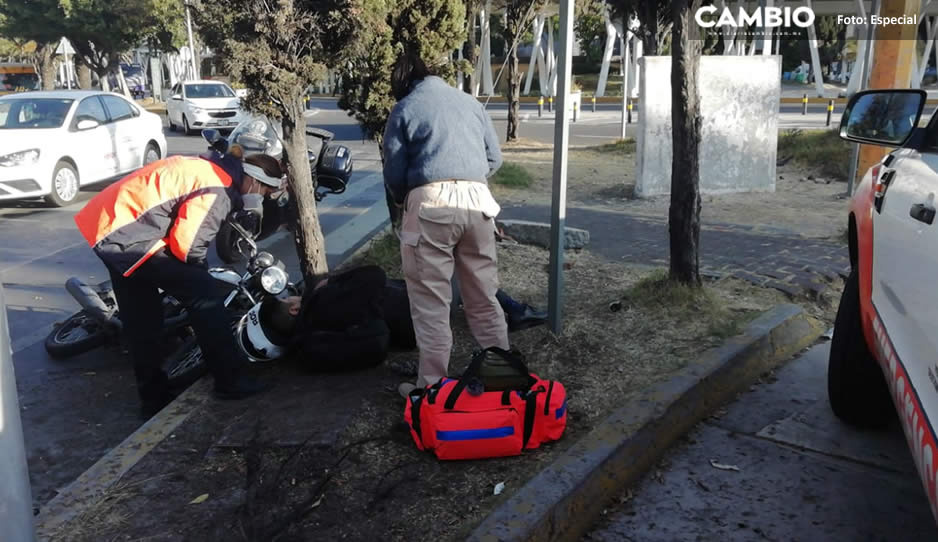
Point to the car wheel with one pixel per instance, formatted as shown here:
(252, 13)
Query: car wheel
(185, 126)
(64, 185)
(151, 154)
(856, 386)
(172, 125)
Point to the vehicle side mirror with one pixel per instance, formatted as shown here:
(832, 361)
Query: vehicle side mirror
(882, 117)
(177, 97)
(87, 124)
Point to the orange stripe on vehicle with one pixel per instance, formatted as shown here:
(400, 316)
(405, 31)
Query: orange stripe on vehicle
(189, 219)
(153, 250)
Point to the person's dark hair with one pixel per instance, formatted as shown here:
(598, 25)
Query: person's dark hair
(269, 164)
(408, 69)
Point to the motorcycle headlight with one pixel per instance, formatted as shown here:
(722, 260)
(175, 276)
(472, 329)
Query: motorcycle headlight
(273, 280)
(264, 260)
(19, 158)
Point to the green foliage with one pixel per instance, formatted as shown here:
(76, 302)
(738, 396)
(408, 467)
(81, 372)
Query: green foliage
(590, 29)
(41, 21)
(821, 150)
(434, 28)
(513, 176)
(100, 30)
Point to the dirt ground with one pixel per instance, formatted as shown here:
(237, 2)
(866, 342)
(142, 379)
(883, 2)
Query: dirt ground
(326, 457)
(604, 178)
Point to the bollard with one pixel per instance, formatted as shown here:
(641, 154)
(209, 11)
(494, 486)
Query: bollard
(550, 104)
(575, 110)
(830, 111)
(804, 105)
(594, 104)
(540, 106)
(629, 107)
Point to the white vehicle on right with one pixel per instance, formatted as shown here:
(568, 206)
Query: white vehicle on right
(195, 105)
(885, 343)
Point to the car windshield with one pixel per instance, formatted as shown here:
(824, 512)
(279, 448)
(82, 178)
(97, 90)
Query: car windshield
(19, 82)
(209, 91)
(25, 113)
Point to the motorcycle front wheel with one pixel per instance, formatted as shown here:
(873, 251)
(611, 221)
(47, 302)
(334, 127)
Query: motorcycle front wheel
(76, 335)
(185, 365)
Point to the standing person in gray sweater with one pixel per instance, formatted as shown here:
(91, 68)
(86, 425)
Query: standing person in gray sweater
(439, 148)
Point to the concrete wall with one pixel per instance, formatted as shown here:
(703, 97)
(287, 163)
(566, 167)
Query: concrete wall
(739, 97)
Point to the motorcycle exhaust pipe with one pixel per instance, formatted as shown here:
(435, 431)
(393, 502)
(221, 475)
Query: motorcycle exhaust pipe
(91, 302)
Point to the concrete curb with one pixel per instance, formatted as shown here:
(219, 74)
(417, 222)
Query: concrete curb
(564, 500)
(94, 483)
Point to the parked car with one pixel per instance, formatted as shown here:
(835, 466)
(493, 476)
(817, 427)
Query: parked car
(16, 77)
(195, 105)
(135, 77)
(52, 143)
(884, 351)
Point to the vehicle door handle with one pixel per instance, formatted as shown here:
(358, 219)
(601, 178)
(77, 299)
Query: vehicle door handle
(923, 212)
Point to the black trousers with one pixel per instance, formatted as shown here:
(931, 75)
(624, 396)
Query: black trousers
(141, 313)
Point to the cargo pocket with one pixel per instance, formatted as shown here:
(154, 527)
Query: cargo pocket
(479, 434)
(410, 263)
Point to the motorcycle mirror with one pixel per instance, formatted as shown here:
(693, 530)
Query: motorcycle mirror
(215, 140)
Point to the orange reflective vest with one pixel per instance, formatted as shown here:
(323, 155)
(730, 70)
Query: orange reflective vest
(178, 202)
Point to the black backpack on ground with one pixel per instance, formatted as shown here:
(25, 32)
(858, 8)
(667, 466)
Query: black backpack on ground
(397, 315)
(341, 325)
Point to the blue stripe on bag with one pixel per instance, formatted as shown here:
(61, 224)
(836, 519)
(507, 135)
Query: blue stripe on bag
(476, 434)
(562, 410)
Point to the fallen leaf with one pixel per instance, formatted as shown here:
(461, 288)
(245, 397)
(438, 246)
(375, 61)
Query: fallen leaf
(200, 499)
(499, 487)
(316, 504)
(292, 481)
(721, 466)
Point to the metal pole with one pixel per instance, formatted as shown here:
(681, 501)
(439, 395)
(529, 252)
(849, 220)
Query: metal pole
(16, 501)
(804, 105)
(830, 111)
(558, 208)
(594, 104)
(626, 61)
(865, 70)
(195, 71)
(540, 106)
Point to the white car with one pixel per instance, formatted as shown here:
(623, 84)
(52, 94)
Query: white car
(52, 143)
(195, 105)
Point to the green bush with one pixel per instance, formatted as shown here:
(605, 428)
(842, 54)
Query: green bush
(821, 150)
(513, 175)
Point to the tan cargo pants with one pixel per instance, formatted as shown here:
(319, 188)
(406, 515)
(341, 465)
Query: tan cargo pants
(450, 226)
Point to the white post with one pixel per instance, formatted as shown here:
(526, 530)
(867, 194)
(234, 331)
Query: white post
(815, 58)
(635, 75)
(537, 55)
(611, 35)
(543, 66)
(551, 62)
(558, 208)
(625, 86)
(488, 88)
(195, 68)
(729, 35)
(16, 501)
(859, 64)
(767, 38)
(931, 28)
(459, 75)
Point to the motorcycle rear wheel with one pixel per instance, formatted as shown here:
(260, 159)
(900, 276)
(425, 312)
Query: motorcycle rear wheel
(76, 335)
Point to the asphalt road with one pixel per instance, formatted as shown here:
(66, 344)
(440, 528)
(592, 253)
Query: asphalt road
(74, 410)
(787, 470)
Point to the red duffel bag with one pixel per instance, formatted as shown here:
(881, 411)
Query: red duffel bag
(456, 420)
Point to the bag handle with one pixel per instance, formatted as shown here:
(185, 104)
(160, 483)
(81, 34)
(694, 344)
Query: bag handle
(416, 399)
(513, 357)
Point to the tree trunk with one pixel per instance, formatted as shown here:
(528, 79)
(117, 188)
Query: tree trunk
(684, 213)
(470, 48)
(310, 245)
(649, 28)
(44, 54)
(83, 72)
(514, 86)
